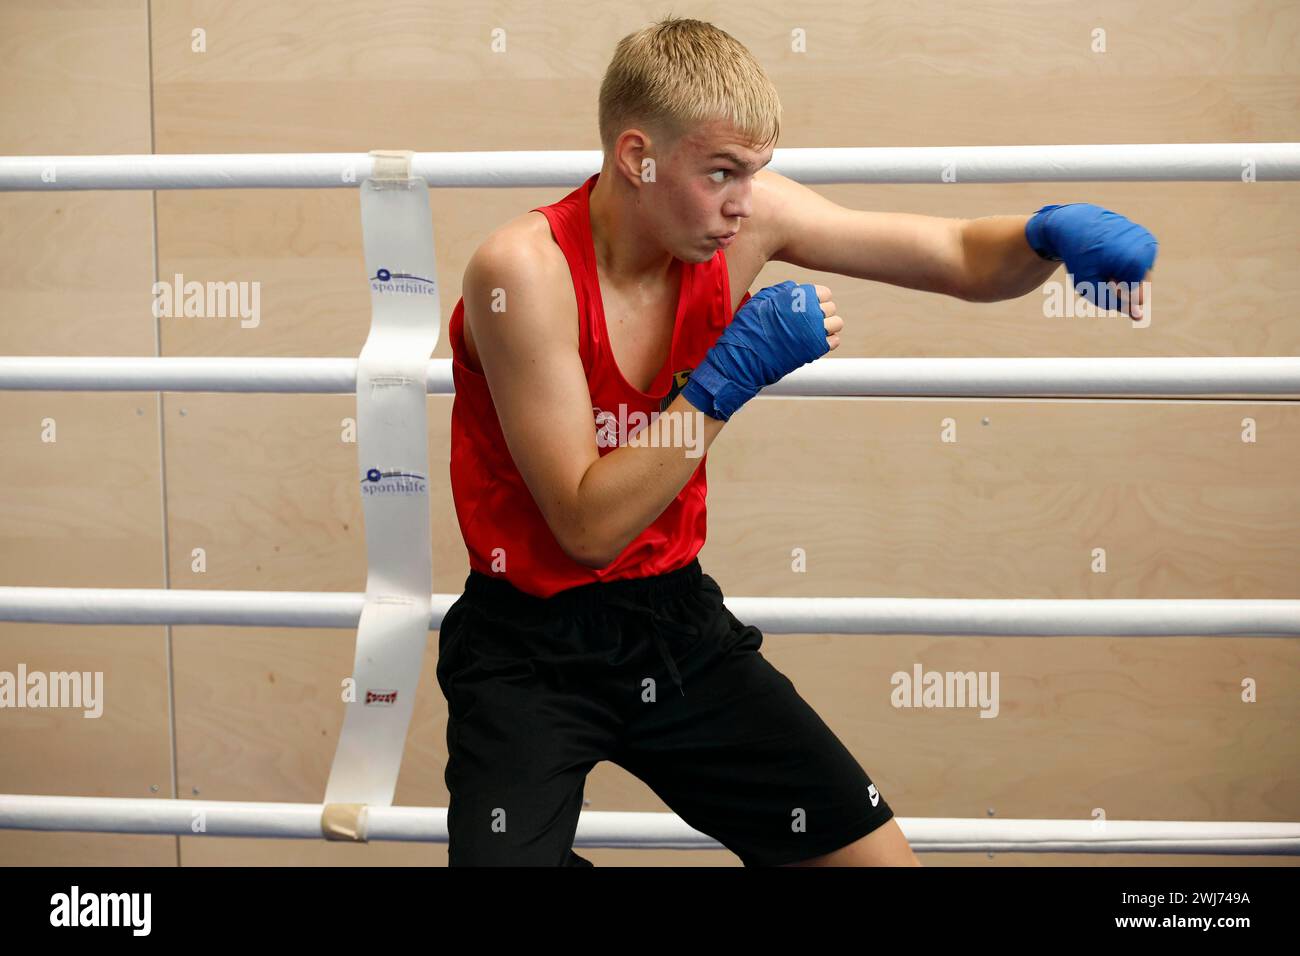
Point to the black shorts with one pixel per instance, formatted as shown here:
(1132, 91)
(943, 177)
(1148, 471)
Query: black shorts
(657, 676)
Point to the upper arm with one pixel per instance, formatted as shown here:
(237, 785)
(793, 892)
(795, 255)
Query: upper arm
(526, 336)
(903, 249)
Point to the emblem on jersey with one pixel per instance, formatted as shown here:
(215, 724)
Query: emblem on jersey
(679, 382)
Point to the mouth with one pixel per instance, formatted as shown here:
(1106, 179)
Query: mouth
(724, 240)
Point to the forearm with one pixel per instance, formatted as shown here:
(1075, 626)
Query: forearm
(999, 262)
(623, 492)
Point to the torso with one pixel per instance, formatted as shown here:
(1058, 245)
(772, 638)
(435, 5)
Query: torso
(640, 326)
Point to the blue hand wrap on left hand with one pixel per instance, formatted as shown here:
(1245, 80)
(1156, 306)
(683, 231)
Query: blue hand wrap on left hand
(1097, 245)
(775, 332)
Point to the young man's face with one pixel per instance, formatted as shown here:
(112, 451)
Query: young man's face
(702, 190)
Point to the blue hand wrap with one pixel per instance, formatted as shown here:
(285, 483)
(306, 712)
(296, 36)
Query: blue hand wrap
(1096, 245)
(778, 330)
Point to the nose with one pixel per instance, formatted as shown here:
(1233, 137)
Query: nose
(740, 203)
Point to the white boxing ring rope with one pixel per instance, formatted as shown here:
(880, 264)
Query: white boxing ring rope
(1027, 617)
(1118, 162)
(1254, 376)
(829, 377)
(609, 829)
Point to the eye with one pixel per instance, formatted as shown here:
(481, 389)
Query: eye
(725, 172)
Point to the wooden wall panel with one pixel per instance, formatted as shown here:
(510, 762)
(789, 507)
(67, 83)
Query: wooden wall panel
(85, 510)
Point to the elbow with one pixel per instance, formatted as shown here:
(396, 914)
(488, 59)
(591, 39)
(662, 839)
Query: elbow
(972, 290)
(985, 295)
(586, 549)
(584, 536)
(591, 559)
(595, 563)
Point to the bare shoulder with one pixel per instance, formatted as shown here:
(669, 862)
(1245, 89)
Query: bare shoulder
(520, 261)
(763, 236)
(760, 237)
(524, 244)
(776, 198)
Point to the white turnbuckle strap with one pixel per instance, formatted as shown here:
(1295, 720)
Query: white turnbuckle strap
(393, 455)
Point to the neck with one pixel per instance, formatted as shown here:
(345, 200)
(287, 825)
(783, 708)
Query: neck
(625, 255)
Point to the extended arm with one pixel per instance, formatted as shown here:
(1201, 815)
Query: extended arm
(978, 260)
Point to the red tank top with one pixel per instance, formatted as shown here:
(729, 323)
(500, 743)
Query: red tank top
(504, 530)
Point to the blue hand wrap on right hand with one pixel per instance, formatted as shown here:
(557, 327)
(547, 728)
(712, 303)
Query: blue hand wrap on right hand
(778, 330)
(1096, 245)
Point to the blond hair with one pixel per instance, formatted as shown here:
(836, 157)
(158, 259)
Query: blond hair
(677, 73)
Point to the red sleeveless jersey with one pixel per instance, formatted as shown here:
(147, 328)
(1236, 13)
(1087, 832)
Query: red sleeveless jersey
(504, 530)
